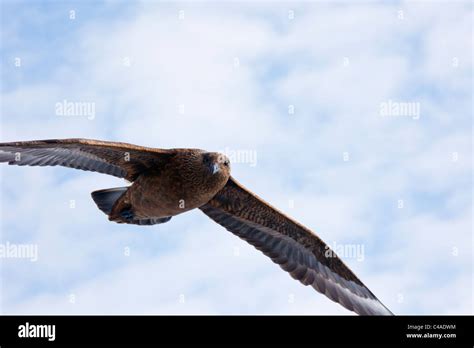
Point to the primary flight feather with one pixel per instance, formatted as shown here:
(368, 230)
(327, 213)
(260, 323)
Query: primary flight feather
(166, 183)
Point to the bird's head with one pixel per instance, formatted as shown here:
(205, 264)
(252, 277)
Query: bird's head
(198, 168)
(217, 164)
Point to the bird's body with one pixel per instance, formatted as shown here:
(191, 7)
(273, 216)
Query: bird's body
(183, 183)
(166, 183)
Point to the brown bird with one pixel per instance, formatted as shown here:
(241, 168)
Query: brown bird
(169, 182)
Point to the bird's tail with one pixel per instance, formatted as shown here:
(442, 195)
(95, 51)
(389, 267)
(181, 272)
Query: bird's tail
(106, 199)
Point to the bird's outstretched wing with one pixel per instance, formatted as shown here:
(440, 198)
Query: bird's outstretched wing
(118, 159)
(292, 246)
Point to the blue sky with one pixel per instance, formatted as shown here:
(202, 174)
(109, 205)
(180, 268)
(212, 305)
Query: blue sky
(236, 69)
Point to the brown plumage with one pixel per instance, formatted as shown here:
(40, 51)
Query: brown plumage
(169, 182)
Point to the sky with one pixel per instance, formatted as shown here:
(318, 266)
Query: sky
(353, 118)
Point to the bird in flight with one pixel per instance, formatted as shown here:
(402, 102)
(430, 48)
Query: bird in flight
(168, 182)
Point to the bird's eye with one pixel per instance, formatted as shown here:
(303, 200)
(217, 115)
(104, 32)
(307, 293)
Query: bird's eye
(226, 163)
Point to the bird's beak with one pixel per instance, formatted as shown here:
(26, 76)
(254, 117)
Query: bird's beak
(215, 168)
